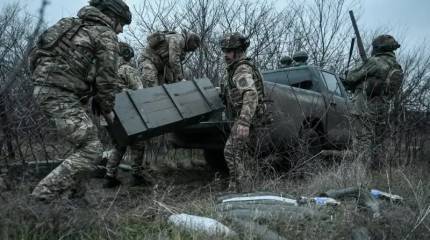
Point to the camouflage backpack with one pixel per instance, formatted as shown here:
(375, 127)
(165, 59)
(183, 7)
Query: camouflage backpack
(157, 38)
(51, 37)
(390, 87)
(393, 82)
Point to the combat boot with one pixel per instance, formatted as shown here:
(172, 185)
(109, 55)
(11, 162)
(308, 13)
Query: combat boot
(111, 182)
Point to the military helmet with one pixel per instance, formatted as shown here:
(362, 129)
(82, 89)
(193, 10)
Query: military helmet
(126, 51)
(118, 7)
(286, 60)
(234, 41)
(385, 43)
(300, 56)
(192, 39)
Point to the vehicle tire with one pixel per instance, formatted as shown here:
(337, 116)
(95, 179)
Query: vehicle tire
(215, 160)
(310, 141)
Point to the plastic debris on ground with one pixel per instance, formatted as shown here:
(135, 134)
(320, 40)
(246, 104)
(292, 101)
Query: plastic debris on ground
(204, 225)
(261, 213)
(319, 201)
(261, 198)
(378, 194)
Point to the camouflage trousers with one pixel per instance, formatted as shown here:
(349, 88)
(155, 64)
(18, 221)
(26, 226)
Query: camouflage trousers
(370, 131)
(72, 124)
(137, 151)
(150, 76)
(242, 155)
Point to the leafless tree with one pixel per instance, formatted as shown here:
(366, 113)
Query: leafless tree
(16, 106)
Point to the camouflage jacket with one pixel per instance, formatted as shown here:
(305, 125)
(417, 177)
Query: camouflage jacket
(377, 68)
(243, 91)
(96, 42)
(129, 77)
(169, 54)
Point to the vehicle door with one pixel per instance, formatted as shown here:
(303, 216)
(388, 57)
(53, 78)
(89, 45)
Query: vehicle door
(337, 110)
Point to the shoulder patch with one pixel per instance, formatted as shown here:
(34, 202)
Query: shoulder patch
(243, 82)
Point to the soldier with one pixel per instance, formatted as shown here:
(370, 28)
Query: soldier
(129, 78)
(375, 84)
(286, 62)
(300, 58)
(60, 63)
(243, 92)
(162, 58)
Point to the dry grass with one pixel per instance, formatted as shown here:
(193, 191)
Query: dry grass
(127, 213)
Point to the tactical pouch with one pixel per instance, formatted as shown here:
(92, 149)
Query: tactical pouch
(374, 87)
(234, 99)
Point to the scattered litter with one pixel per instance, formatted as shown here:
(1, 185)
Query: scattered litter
(204, 225)
(319, 201)
(262, 198)
(386, 196)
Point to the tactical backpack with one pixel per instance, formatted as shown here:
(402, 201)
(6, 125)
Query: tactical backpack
(393, 82)
(54, 39)
(389, 87)
(157, 38)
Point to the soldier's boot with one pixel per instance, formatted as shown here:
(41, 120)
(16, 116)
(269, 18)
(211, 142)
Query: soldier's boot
(111, 182)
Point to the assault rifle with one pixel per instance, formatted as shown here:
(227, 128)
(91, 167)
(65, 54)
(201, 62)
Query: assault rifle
(358, 37)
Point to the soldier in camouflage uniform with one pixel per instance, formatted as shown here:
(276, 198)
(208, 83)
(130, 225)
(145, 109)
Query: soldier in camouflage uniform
(161, 60)
(243, 92)
(286, 62)
(300, 58)
(60, 65)
(129, 79)
(376, 84)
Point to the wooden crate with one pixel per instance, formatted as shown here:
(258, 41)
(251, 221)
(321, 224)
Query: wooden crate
(150, 112)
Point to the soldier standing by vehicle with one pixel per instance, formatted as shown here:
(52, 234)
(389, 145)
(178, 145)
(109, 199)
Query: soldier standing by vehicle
(300, 58)
(286, 62)
(376, 84)
(60, 64)
(129, 78)
(243, 92)
(162, 58)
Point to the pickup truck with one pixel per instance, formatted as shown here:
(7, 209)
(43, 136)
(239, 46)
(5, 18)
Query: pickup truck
(309, 106)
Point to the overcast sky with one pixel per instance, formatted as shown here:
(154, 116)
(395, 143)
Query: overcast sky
(411, 18)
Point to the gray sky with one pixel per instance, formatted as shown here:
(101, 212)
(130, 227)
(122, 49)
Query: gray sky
(409, 18)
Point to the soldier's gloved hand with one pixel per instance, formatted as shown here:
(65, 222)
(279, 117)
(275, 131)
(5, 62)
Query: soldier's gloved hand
(242, 131)
(109, 117)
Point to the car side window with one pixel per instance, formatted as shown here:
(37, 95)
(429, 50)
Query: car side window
(276, 77)
(332, 83)
(300, 78)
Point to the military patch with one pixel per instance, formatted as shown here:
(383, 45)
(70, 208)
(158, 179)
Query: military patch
(243, 82)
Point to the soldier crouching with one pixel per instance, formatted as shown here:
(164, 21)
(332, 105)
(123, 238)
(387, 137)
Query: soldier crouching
(129, 79)
(60, 63)
(243, 92)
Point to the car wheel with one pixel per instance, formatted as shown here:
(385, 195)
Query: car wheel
(215, 160)
(310, 141)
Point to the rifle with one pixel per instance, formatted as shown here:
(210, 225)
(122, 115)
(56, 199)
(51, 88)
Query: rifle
(351, 49)
(359, 40)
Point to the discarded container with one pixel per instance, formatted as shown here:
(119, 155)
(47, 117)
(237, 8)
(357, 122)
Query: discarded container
(261, 198)
(386, 196)
(319, 201)
(207, 226)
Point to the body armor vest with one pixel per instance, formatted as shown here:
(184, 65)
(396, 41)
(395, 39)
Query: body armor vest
(234, 98)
